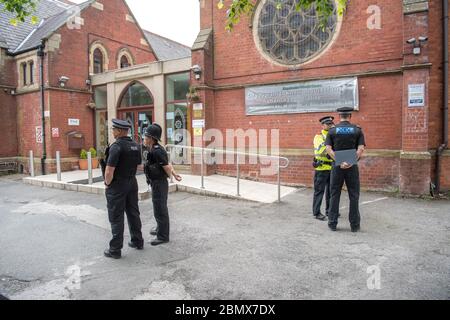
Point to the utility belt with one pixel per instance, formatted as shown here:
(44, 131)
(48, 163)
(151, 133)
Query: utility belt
(154, 172)
(317, 163)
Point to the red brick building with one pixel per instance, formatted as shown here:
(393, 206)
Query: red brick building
(399, 91)
(77, 42)
(276, 70)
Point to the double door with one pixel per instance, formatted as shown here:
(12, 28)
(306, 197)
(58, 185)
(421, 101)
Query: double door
(139, 119)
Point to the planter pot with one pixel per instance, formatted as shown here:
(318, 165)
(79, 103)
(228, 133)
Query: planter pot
(83, 163)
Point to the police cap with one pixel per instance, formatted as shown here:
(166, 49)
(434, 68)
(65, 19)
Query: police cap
(121, 124)
(345, 110)
(154, 131)
(327, 120)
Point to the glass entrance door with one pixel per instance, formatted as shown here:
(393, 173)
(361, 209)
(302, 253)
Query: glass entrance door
(139, 119)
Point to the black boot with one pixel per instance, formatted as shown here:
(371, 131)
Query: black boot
(135, 246)
(112, 254)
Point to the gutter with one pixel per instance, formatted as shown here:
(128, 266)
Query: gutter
(41, 54)
(444, 144)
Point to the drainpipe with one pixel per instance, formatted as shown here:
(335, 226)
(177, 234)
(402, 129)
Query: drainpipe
(42, 96)
(444, 145)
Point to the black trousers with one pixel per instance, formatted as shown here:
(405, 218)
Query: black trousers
(122, 196)
(351, 179)
(160, 192)
(321, 187)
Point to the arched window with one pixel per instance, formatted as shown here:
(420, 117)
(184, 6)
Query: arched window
(124, 63)
(31, 64)
(24, 73)
(136, 95)
(98, 61)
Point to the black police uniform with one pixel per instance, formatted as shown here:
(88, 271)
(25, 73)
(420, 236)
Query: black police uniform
(345, 136)
(157, 178)
(122, 193)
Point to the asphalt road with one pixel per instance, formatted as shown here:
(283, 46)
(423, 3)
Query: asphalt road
(51, 245)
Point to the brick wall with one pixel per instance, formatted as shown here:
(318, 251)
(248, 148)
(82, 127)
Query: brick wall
(114, 33)
(68, 54)
(389, 126)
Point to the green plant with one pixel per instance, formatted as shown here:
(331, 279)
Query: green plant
(192, 94)
(83, 154)
(93, 152)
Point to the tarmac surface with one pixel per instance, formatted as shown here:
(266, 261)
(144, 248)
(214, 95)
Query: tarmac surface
(52, 242)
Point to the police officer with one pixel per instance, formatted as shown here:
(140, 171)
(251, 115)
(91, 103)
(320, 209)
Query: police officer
(158, 170)
(322, 164)
(345, 136)
(122, 189)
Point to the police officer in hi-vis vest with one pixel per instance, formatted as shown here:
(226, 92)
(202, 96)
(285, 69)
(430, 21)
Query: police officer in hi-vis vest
(322, 164)
(123, 158)
(345, 136)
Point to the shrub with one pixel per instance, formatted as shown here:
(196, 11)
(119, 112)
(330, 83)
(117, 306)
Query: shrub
(83, 154)
(93, 152)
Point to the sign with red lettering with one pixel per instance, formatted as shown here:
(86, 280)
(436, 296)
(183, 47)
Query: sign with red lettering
(55, 132)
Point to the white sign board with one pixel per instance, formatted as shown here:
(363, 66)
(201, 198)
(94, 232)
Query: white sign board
(170, 115)
(302, 97)
(197, 106)
(198, 123)
(416, 95)
(74, 122)
(38, 134)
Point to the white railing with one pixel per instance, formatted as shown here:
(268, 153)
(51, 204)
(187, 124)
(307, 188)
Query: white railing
(238, 171)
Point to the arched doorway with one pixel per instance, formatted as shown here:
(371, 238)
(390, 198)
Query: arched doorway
(136, 106)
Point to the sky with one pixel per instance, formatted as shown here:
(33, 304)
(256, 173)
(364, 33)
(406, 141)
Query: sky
(174, 19)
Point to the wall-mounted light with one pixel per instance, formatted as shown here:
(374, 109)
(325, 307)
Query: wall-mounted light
(62, 81)
(88, 82)
(197, 70)
(10, 91)
(417, 43)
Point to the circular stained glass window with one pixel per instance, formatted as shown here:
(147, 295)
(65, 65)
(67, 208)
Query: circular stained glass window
(290, 37)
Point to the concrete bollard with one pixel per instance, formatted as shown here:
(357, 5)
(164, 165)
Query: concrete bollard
(31, 163)
(89, 158)
(58, 165)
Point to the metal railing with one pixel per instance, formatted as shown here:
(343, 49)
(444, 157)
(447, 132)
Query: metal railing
(238, 171)
(58, 167)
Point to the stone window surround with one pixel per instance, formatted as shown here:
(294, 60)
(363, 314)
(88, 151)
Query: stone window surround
(98, 45)
(256, 15)
(125, 52)
(27, 60)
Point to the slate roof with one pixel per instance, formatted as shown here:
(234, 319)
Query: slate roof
(167, 49)
(52, 14)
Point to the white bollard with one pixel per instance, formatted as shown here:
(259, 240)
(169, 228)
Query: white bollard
(89, 156)
(31, 163)
(58, 165)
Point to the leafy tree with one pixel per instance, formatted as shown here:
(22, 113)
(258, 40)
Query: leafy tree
(21, 9)
(324, 9)
(237, 8)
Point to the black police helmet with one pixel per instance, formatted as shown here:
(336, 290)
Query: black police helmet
(154, 131)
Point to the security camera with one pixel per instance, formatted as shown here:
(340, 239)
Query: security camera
(62, 81)
(423, 39)
(411, 41)
(197, 71)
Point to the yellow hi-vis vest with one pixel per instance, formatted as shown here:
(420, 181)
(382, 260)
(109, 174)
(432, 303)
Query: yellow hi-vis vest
(320, 151)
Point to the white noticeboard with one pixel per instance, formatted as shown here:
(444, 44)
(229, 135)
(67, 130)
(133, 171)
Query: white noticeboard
(197, 106)
(170, 115)
(416, 95)
(38, 134)
(198, 123)
(74, 122)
